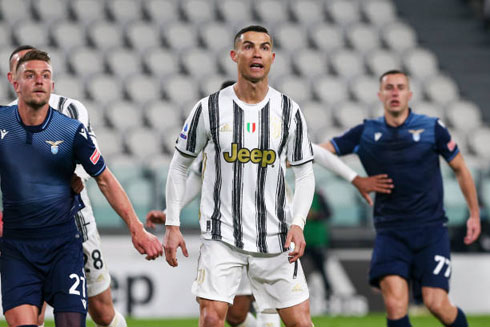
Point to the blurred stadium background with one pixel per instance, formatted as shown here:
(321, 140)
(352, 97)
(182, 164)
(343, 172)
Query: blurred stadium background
(140, 65)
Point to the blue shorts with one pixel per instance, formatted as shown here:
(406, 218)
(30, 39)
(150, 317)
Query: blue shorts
(420, 255)
(38, 270)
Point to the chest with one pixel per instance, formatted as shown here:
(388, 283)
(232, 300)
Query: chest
(249, 130)
(48, 148)
(398, 145)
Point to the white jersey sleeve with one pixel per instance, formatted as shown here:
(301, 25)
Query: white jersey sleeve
(299, 149)
(193, 136)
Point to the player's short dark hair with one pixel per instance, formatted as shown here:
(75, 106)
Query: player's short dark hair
(226, 84)
(19, 49)
(250, 28)
(34, 54)
(393, 72)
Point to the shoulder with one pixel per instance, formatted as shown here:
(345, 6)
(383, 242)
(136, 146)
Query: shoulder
(424, 120)
(68, 106)
(5, 112)
(65, 121)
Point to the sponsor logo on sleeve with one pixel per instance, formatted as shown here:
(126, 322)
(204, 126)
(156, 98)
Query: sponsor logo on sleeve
(183, 134)
(451, 145)
(94, 158)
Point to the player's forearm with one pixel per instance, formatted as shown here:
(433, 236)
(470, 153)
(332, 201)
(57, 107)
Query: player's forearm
(468, 188)
(176, 187)
(118, 199)
(303, 193)
(328, 160)
(465, 181)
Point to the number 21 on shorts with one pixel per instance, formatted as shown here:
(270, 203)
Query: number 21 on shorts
(74, 289)
(441, 262)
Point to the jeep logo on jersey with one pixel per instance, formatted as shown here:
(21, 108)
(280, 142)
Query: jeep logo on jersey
(54, 146)
(244, 155)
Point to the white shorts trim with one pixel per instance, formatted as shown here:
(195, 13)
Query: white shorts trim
(275, 282)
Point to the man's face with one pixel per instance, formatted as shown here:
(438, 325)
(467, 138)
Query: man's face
(33, 83)
(13, 64)
(253, 55)
(395, 93)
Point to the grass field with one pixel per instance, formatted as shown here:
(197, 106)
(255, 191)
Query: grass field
(373, 320)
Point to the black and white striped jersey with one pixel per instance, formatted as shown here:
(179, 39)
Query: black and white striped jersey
(245, 148)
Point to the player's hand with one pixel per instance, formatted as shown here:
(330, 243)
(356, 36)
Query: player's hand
(172, 240)
(147, 243)
(295, 235)
(378, 183)
(76, 184)
(155, 217)
(473, 229)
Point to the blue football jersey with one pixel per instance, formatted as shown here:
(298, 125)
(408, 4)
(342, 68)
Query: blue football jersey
(409, 154)
(36, 167)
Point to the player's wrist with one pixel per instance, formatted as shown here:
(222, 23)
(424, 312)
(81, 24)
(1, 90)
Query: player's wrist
(300, 222)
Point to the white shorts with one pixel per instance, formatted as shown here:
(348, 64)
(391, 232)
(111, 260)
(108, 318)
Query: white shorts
(96, 272)
(275, 282)
(244, 287)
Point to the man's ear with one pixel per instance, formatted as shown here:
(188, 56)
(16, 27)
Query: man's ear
(234, 55)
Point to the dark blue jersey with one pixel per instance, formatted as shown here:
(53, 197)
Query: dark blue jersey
(409, 154)
(36, 167)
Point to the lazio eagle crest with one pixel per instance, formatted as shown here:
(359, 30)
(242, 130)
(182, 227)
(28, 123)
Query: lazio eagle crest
(54, 146)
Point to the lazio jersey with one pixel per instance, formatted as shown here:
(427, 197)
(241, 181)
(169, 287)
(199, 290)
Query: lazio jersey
(409, 154)
(36, 167)
(245, 147)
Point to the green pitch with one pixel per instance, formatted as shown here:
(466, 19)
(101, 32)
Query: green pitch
(372, 320)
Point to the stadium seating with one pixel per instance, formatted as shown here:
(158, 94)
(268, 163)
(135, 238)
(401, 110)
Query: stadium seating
(142, 65)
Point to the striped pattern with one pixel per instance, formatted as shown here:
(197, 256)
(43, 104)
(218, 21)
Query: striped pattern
(298, 145)
(286, 121)
(280, 206)
(237, 192)
(244, 198)
(261, 220)
(213, 106)
(82, 225)
(191, 144)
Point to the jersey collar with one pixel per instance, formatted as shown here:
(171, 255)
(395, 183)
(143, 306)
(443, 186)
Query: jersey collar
(36, 128)
(406, 122)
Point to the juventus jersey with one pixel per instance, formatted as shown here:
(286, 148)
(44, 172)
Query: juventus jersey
(75, 109)
(245, 147)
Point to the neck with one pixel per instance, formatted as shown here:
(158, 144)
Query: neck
(249, 92)
(32, 116)
(396, 119)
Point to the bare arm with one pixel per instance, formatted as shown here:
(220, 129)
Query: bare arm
(325, 156)
(143, 241)
(463, 175)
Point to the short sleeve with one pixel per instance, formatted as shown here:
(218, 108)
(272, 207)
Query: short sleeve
(86, 153)
(299, 148)
(445, 145)
(349, 141)
(193, 136)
